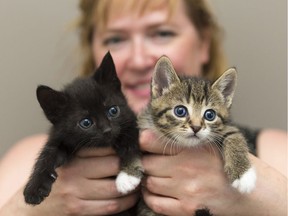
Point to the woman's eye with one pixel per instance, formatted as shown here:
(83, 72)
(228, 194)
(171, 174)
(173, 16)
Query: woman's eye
(86, 123)
(162, 34)
(113, 112)
(113, 40)
(210, 115)
(180, 111)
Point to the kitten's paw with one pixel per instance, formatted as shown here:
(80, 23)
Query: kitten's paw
(37, 189)
(126, 183)
(247, 181)
(35, 196)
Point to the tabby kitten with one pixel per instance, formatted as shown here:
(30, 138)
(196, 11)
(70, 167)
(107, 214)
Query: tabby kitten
(191, 111)
(90, 112)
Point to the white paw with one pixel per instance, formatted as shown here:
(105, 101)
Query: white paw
(247, 181)
(126, 183)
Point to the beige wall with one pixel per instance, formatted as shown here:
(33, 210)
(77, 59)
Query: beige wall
(256, 43)
(38, 46)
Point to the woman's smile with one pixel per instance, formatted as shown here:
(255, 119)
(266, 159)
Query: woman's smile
(142, 90)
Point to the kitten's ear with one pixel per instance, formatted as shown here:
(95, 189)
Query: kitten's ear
(106, 73)
(226, 84)
(164, 75)
(52, 102)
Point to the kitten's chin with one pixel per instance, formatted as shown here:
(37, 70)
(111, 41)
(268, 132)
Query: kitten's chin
(190, 141)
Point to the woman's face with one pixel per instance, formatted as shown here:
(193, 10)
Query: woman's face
(137, 41)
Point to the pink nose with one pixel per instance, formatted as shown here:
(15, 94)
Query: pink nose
(196, 128)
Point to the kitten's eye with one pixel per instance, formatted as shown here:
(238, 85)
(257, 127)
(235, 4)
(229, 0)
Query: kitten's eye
(113, 112)
(210, 115)
(180, 111)
(86, 123)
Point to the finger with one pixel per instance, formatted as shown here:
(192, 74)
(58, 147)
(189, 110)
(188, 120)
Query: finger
(92, 152)
(91, 167)
(99, 189)
(161, 205)
(161, 169)
(109, 207)
(160, 186)
(152, 143)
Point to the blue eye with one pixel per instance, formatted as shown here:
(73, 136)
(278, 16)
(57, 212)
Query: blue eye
(113, 112)
(210, 115)
(86, 123)
(180, 111)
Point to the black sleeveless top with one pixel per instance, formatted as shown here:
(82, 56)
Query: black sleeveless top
(251, 136)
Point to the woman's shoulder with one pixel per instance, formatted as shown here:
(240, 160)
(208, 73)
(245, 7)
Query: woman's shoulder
(17, 163)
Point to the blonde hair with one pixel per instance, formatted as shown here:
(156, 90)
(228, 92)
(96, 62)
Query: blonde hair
(198, 12)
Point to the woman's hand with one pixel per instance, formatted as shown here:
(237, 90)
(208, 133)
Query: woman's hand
(85, 186)
(184, 180)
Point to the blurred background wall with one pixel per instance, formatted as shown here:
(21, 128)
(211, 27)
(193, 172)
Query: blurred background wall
(38, 45)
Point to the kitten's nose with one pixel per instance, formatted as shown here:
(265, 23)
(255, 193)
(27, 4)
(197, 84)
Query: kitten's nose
(196, 128)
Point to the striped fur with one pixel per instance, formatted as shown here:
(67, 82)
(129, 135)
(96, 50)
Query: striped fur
(197, 96)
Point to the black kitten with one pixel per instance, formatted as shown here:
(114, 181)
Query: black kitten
(89, 112)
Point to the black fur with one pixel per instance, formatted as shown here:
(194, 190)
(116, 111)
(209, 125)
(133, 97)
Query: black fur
(87, 98)
(203, 212)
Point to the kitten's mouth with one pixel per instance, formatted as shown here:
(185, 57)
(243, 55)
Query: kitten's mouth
(193, 136)
(190, 140)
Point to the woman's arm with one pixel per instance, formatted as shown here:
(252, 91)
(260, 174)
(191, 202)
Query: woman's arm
(190, 179)
(82, 186)
(272, 149)
(16, 165)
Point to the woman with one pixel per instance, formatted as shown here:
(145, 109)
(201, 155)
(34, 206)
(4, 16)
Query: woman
(137, 35)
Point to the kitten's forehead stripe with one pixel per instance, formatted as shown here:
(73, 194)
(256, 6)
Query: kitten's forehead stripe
(189, 92)
(206, 88)
(162, 112)
(193, 97)
(206, 92)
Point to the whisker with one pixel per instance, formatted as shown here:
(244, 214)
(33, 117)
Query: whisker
(215, 141)
(211, 146)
